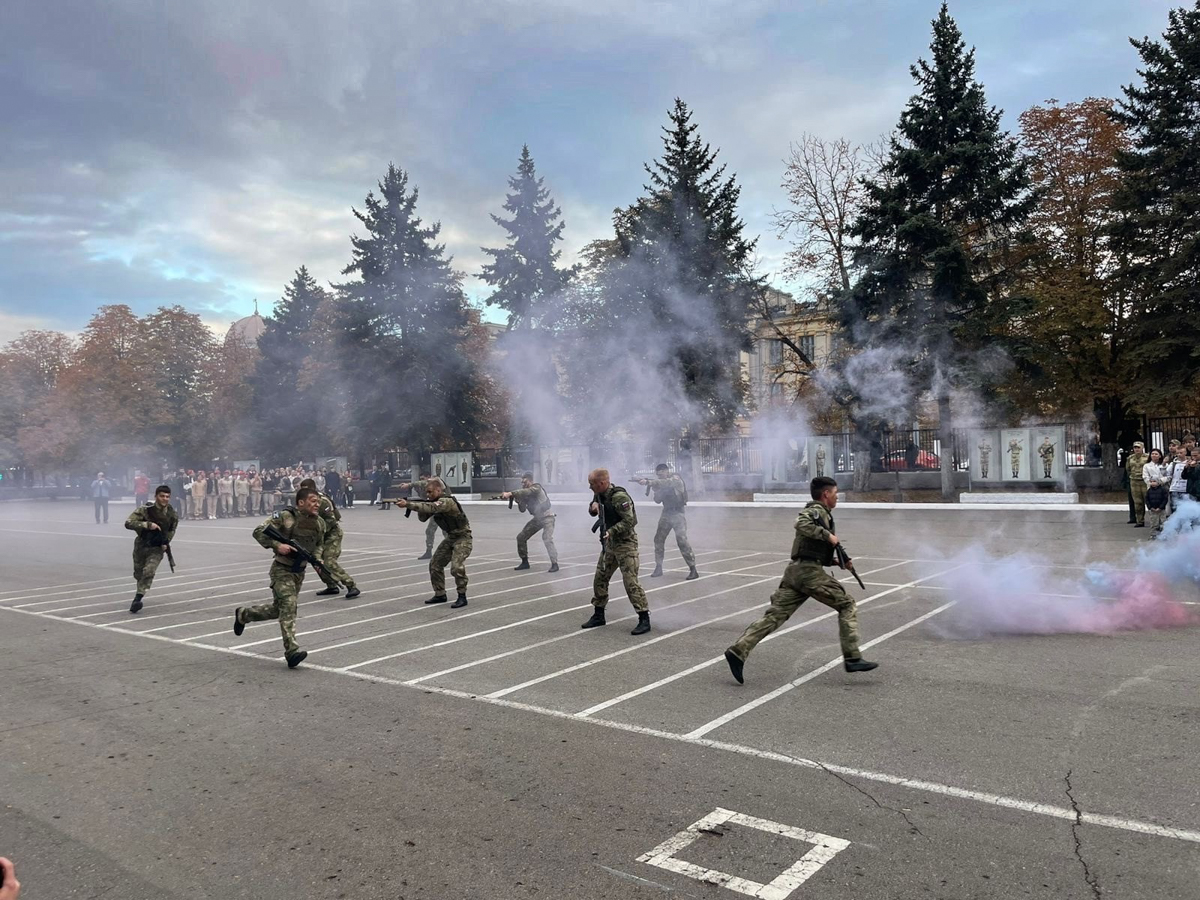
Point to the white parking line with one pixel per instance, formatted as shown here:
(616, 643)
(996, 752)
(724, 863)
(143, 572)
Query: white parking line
(691, 670)
(517, 624)
(821, 670)
(504, 692)
(1042, 809)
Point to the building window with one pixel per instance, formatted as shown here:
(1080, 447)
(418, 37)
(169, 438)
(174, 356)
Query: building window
(774, 352)
(808, 346)
(776, 391)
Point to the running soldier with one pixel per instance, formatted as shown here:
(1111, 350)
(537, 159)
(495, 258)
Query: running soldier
(618, 527)
(333, 574)
(446, 513)
(306, 528)
(531, 498)
(420, 491)
(805, 577)
(155, 524)
(670, 491)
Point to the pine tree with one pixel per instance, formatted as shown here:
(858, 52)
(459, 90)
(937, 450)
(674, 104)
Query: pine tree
(1159, 204)
(528, 285)
(282, 406)
(675, 292)
(525, 273)
(938, 231)
(404, 327)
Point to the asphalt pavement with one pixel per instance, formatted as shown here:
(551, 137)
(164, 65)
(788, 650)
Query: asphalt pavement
(499, 751)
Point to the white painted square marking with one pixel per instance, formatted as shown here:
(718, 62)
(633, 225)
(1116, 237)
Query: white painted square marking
(825, 848)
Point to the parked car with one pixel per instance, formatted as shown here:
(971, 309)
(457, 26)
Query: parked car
(897, 461)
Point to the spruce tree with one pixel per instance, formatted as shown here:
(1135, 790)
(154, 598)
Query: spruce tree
(282, 404)
(676, 290)
(1158, 232)
(938, 230)
(528, 285)
(404, 330)
(525, 273)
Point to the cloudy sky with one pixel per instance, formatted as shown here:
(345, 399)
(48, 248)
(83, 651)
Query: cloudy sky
(198, 151)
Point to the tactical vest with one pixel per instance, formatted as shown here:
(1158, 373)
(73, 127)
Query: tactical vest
(539, 505)
(673, 495)
(611, 517)
(452, 520)
(304, 530)
(812, 548)
(161, 518)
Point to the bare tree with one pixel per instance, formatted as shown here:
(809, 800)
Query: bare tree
(824, 181)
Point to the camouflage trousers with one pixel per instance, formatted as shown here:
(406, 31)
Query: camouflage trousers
(145, 563)
(453, 550)
(545, 525)
(666, 522)
(801, 580)
(430, 534)
(285, 589)
(334, 573)
(1137, 489)
(623, 556)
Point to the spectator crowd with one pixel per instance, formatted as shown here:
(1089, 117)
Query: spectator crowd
(1161, 484)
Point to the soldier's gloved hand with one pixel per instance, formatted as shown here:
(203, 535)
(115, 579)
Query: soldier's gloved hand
(594, 509)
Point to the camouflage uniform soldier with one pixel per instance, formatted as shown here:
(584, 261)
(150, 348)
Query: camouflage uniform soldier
(303, 525)
(820, 460)
(155, 524)
(532, 498)
(421, 487)
(670, 491)
(620, 550)
(1134, 464)
(333, 574)
(447, 514)
(1014, 456)
(1046, 452)
(805, 577)
(985, 457)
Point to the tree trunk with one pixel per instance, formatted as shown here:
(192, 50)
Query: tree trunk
(946, 436)
(1110, 420)
(862, 469)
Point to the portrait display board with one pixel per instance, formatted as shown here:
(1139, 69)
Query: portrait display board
(986, 457)
(821, 456)
(1048, 460)
(453, 468)
(1014, 454)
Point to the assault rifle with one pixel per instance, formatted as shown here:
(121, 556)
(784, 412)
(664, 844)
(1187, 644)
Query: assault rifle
(510, 500)
(301, 555)
(170, 555)
(843, 560)
(601, 524)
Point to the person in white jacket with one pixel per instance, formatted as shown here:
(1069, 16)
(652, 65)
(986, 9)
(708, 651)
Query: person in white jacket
(1154, 473)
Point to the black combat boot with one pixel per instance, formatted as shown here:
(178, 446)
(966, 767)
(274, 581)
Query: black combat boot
(524, 565)
(437, 598)
(428, 554)
(136, 605)
(597, 618)
(460, 602)
(294, 659)
(643, 625)
(735, 665)
(553, 567)
(353, 592)
(858, 664)
(331, 591)
(657, 567)
(238, 625)
(692, 574)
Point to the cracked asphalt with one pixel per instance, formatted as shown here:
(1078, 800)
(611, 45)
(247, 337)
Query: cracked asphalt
(506, 754)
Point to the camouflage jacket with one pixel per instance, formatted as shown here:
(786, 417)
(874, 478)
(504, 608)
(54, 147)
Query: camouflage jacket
(620, 515)
(167, 521)
(814, 525)
(307, 531)
(534, 501)
(446, 512)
